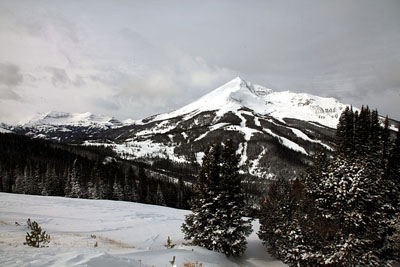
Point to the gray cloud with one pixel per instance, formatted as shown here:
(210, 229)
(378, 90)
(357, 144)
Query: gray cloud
(10, 74)
(105, 104)
(146, 57)
(59, 76)
(7, 93)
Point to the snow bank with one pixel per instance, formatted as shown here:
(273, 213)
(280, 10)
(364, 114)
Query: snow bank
(126, 234)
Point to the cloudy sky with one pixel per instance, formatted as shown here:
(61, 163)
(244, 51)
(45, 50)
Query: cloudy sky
(132, 59)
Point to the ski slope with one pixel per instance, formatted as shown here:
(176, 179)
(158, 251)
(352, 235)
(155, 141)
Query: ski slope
(106, 233)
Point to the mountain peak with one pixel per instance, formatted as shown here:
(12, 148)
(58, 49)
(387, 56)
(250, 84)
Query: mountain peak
(71, 119)
(238, 93)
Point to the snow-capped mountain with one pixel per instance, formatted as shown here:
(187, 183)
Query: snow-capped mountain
(274, 131)
(55, 118)
(64, 127)
(239, 93)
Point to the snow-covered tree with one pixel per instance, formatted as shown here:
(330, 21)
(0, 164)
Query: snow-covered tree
(200, 224)
(19, 184)
(276, 214)
(118, 193)
(347, 206)
(74, 180)
(160, 200)
(51, 184)
(216, 222)
(230, 213)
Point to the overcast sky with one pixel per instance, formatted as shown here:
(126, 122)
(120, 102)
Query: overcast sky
(133, 59)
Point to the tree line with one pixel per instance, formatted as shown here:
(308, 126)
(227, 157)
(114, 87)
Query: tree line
(38, 167)
(344, 210)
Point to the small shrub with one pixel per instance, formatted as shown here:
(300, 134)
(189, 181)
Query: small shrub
(36, 238)
(169, 243)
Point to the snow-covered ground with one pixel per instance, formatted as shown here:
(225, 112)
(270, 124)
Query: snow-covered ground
(106, 233)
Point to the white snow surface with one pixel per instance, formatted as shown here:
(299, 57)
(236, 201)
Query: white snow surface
(239, 93)
(2, 130)
(126, 234)
(56, 118)
(286, 142)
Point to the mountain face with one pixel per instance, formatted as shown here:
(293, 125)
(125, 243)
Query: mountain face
(275, 132)
(63, 126)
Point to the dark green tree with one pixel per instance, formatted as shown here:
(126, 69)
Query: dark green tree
(36, 238)
(218, 204)
(200, 224)
(234, 229)
(276, 214)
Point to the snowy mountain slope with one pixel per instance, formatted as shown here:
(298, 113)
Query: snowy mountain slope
(55, 118)
(64, 127)
(5, 128)
(274, 131)
(131, 234)
(239, 93)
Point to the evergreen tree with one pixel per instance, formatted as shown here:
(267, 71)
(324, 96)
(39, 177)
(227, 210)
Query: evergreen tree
(75, 181)
(118, 193)
(345, 131)
(218, 205)
(385, 141)
(160, 200)
(392, 174)
(234, 229)
(51, 185)
(34, 181)
(19, 184)
(276, 214)
(199, 225)
(143, 185)
(362, 130)
(92, 190)
(346, 209)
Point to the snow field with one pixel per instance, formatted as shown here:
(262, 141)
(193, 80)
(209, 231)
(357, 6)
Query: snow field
(106, 233)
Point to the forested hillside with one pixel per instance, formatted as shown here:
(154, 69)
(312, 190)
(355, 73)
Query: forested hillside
(40, 167)
(344, 210)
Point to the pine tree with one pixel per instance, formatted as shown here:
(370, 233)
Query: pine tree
(51, 185)
(385, 141)
(118, 193)
(19, 184)
(346, 211)
(230, 213)
(199, 225)
(92, 190)
(33, 181)
(276, 214)
(36, 238)
(74, 181)
(160, 200)
(216, 222)
(143, 189)
(104, 189)
(345, 131)
(361, 131)
(392, 173)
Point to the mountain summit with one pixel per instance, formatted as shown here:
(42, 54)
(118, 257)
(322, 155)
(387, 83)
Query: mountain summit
(56, 118)
(238, 94)
(274, 131)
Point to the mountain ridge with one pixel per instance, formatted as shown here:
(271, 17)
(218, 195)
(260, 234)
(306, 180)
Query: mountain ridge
(274, 131)
(239, 93)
